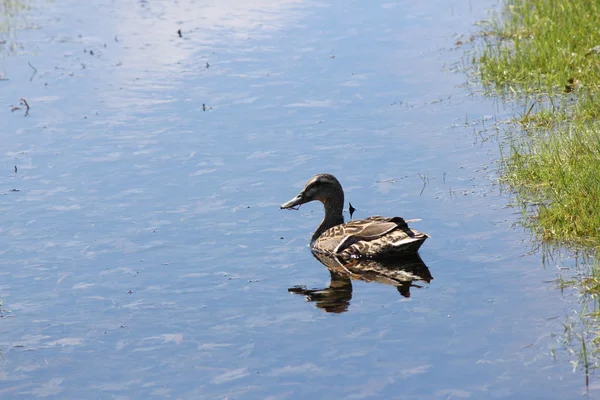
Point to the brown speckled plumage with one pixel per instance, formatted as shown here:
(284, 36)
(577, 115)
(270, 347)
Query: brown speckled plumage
(373, 237)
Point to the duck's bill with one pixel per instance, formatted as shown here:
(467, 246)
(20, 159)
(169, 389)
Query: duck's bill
(293, 204)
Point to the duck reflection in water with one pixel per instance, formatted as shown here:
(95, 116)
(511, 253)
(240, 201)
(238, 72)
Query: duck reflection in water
(398, 272)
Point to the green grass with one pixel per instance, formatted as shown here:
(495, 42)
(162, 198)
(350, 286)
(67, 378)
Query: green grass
(540, 45)
(540, 52)
(546, 55)
(559, 172)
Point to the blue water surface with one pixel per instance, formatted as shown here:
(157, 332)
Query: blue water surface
(144, 254)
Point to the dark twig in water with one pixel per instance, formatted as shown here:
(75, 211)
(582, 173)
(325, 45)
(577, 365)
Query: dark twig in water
(34, 71)
(351, 209)
(424, 179)
(24, 102)
(586, 364)
(529, 111)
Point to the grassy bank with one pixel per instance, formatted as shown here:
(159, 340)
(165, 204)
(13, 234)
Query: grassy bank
(557, 174)
(548, 54)
(544, 46)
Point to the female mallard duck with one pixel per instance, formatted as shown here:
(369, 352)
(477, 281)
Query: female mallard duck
(372, 237)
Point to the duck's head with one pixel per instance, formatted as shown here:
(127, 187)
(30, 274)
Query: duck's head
(322, 187)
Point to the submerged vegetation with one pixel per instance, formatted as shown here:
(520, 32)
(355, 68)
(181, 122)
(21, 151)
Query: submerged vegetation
(546, 54)
(10, 19)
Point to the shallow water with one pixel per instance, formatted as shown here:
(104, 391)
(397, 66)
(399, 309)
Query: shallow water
(144, 252)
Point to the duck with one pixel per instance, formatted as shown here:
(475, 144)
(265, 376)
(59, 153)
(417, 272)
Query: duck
(371, 238)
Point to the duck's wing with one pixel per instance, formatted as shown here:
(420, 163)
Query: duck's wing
(367, 230)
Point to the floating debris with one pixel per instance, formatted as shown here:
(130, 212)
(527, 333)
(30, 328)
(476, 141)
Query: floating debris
(571, 85)
(22, 102)
(34, 71)
(593, 50)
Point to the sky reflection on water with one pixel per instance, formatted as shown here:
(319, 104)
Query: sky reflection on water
(145, 253)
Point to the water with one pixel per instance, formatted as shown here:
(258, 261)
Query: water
(144, 254)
